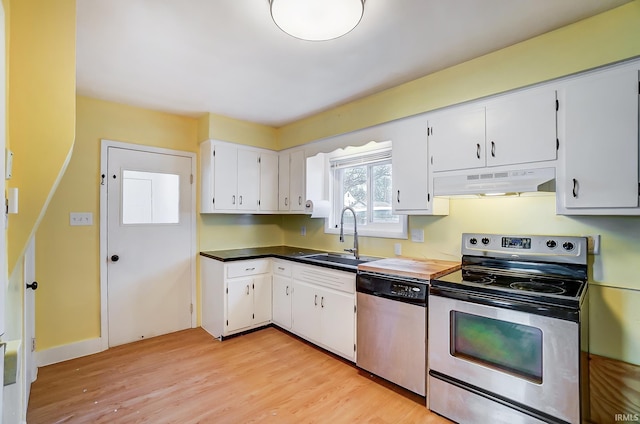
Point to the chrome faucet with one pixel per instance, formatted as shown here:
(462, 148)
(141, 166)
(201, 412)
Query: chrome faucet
(354, 250)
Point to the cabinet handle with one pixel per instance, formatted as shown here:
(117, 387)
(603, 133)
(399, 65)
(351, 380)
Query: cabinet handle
(286, 201)
(575, 188)
(398, 196)
(493, 149)
(478, 150)
(299, 200)
(281, 268)
(240, 199)
(233, 200)
(315, 300)
(247, 289)
(250, 269)
(286, 291)
(322, 302)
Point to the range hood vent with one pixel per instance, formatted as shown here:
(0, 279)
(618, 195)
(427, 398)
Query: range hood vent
(499, 182)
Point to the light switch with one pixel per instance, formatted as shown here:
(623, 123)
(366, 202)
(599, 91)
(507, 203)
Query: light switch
(417, 236)
(80, 218)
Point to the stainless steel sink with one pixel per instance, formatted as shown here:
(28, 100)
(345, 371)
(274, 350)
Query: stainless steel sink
(339, 259)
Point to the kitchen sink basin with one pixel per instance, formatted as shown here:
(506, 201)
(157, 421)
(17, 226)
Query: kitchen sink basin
(339, 259)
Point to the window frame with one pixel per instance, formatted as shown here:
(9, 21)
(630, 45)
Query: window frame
(369, 155)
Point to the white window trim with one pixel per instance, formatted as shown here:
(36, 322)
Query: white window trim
(332, 224)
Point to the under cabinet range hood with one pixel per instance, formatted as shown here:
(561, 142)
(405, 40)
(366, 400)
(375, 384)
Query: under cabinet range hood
(487, 182)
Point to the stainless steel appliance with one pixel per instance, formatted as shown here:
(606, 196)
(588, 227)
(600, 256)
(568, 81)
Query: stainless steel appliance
(508, 332)
(392, 328)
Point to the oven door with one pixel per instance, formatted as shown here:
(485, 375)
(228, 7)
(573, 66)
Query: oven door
(528, 360)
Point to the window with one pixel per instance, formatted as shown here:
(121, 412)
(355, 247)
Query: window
(150, 198)
(363, 182)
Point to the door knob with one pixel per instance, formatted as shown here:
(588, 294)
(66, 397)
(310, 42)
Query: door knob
(33, 286)
(115, 258)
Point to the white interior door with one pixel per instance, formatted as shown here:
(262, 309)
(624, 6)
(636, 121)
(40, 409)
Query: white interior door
(150, 255)
(30, 368)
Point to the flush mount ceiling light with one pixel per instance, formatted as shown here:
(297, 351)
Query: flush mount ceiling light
(316, 20)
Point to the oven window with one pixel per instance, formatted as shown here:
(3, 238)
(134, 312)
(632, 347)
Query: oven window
(502, 345)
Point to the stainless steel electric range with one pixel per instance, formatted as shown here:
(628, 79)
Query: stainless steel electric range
(508, 332)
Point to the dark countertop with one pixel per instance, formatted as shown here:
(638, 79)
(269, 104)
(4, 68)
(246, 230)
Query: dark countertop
(283, 252)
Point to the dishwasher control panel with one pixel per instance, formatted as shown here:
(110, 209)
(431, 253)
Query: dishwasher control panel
(392, 287)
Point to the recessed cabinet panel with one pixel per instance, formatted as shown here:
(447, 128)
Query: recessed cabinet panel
(297, 181)
(225, 176)
(248, 180)
(408, 160)
(601, 136)
(521, 128)
(268, 181)
(457, 139)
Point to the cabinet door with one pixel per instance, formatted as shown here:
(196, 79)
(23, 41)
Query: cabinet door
(283, 182)
(239, 304)
(297, 181)
(282, 301)
(521, 128)
(408, 161)
(305, 311)
(457, 139)
(338, 321)
(268, 181)
(601, 132)
(248, 180)
(225, 176)
(261, 299)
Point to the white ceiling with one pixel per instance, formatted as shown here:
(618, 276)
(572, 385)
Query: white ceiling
(228, 57)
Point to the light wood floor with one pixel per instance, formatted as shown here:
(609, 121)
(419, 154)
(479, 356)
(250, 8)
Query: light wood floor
(190, 377)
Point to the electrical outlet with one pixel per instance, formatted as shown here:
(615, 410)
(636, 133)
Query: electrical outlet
(593, 244)
(80, 218)
(303, 230)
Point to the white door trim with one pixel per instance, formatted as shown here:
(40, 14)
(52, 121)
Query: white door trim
(105, 144)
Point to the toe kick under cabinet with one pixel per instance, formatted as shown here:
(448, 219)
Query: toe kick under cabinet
(236, 295)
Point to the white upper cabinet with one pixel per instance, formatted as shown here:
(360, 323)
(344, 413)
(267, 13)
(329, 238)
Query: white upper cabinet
(291, 183)
(457, 139)
(511, 129)
(268, 181)
(237, 178)
(411, 193)
(599, 149)
(521, 128)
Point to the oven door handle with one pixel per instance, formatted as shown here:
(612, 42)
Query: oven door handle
(553, 311)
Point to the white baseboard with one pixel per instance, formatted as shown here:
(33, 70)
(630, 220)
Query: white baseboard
(70, 351)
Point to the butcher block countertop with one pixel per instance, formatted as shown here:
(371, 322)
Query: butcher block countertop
(426, 269)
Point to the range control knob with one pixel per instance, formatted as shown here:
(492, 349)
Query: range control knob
(567, 245)
(473, 241)
(551, 244)
(485, 241)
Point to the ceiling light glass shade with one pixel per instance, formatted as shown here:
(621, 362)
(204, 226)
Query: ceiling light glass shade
(317, 20)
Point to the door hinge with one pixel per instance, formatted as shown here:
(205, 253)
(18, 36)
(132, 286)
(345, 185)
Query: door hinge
(557, 144)
(557, 105)
(354, 309)
(191, 178)
(33, 344)
(354, 347)
(191, 308)
(639, 189)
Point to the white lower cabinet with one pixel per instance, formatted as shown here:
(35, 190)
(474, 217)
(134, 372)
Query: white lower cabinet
(323, 308)
(282, 294)
(236, 296)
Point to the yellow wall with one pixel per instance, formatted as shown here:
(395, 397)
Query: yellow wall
(605, 38)
(223, 128)
(41, 107)
(68, 301)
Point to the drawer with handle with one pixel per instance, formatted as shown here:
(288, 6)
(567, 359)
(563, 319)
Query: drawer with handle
(282, 268)
(245, 268)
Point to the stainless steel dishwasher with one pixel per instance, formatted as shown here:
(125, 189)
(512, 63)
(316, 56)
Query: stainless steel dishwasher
(392, 328)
